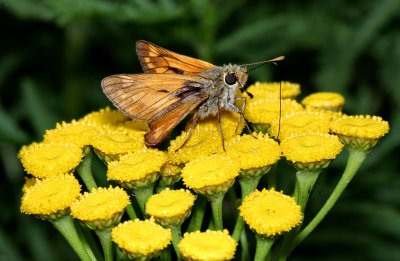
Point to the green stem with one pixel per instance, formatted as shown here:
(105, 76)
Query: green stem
(160, 187)
(305, 181)
(216, 206)
(131, 212)
(142, 195)
(166, 254)
(271, 177)
(176, 238)
(106, 243)
(65, 226)
(196, 220)
(247, 184)
(245, 246)
(85, 170)
(356, 158)
(88, 241)
(263, 247)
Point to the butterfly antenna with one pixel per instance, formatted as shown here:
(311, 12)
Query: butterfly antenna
(280, 109)
(280, 58)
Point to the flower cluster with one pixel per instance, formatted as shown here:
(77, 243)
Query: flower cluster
(144, 182)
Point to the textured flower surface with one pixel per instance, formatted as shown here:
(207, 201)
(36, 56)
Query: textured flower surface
(140, 239)
(51, 196)
(209, 245)
(270, 213)
(370, 127)
(105, 117)
(274, 90)
(324, 100)
(44, 160)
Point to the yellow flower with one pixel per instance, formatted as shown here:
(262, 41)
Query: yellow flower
(29, 182)
(44, 160)
(264, 112)
(311, 151)
(207, 246)
(170, 207)
(105, 117)
(202, 142)
(170, 174)
(360, 132)
(76, 133)
(210, 175)
(142, 240)
(271, 90)
(101, 208)
(137, 169)
(270, 213)
(301, 122)
(330, 101)
(111, 144)
(253, 153)
(51, 198)
(229, 124)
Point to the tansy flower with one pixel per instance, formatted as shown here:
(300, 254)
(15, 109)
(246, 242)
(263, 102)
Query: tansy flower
(76, 133)
(210, 175)
(330, 101)
(105, 117)
(202, 142)
(170, 174)
(44, 160)
(208, 246)
(270, 213)
(111, 144)
(141, 240)
(51, 198)
(101, 208)
(229, 124)
(360, 132)
(253, 154)
(272, 90)
(170, 207)
(261, 113)
(311, 151)
(301, 122)
(29, 182)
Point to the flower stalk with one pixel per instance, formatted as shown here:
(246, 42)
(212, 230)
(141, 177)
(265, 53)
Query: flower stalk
(85, 170)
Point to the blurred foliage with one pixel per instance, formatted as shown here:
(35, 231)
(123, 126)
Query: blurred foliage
(54, 54)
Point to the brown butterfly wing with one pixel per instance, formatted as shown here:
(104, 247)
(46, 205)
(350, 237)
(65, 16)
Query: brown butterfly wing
(163, 100)
(155, 59)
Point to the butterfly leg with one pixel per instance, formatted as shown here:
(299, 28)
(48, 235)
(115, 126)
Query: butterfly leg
(219, 123)
(243, 107)
(233, 108)
(194, 121)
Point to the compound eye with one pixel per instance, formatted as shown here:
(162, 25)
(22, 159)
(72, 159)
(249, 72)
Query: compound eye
(230, 78)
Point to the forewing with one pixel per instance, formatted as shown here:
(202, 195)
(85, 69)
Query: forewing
(148, 97)
(155, 59)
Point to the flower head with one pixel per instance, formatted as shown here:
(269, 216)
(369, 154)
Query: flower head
(360, 132)
(141, 240)
(29, 182)
(105, 117)
(44, 160)
(51, 198)
(210, 175)
(301, 122)
(170, 173)
(312, 150)
(208, 246)
(170, 207)
(330, 101)
(274, 90)
(253, 153)
(101, 208)
(137, 169)
(270, 213)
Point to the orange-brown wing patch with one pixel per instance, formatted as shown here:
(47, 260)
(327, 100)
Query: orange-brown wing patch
(148, 97)
(155, 59)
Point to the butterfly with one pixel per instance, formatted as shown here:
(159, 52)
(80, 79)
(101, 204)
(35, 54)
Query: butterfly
(173, 86)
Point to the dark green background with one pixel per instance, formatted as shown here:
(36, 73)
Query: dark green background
(53, 55)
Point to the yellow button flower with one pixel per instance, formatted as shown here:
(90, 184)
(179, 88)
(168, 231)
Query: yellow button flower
(170, 174)
(29, 182)
(208, 246)
(51, 198)
(141, 240)
(270, 213)
(301, 122)
(76, 133)
(44, 160)
(137, 169)
(360, 132)
(330, 101)
(210, 175)
(105, 117)
(170, 207)
(311, 151)
(253, 153)
(272, 90)
(101, 208)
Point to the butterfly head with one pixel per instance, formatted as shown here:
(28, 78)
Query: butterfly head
(235, 76)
